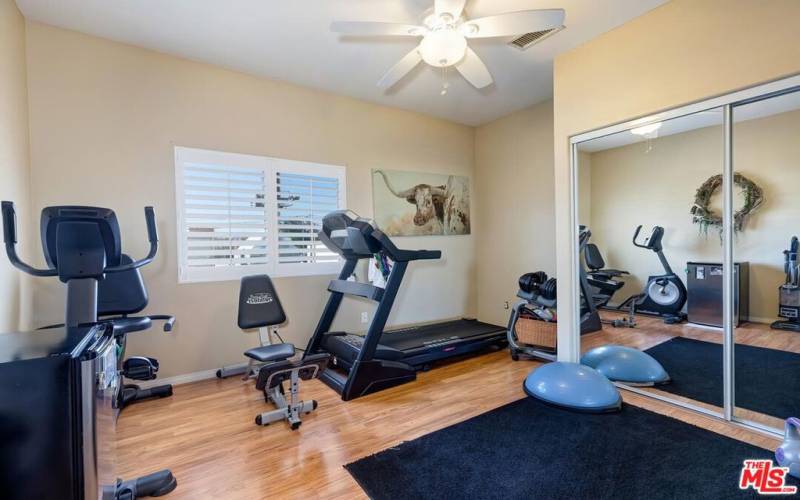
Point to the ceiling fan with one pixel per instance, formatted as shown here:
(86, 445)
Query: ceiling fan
(444, 36)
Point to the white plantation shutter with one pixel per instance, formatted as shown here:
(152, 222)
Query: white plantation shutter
(305, 193)
(230, 204)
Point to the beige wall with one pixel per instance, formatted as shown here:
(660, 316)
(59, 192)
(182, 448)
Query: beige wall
(681, 52)
(514, 175)
(631, 185)
(14, 161)
(104, 119)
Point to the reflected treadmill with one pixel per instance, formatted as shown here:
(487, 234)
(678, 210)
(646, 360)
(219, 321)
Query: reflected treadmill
(382, 359)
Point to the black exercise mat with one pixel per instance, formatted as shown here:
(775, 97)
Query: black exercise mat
(767, 380)
(528, 450)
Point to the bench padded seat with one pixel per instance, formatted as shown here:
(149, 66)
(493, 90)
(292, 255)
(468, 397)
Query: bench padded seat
(267, 353)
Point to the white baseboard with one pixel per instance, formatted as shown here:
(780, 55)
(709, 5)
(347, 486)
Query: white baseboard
(187, 378)
(704, 327)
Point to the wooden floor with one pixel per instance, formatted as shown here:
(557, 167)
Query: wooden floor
(651, 331)
(205, 433)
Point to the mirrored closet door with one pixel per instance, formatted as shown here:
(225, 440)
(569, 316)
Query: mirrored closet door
(641, 246)
(766, 205)
(687, 226)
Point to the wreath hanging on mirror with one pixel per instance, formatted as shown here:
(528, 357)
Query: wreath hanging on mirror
(702, 213)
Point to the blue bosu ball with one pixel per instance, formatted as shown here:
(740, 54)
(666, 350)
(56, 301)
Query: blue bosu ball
(625, 364)
(573, 386)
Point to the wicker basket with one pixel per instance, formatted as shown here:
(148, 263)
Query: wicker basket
(536, 332)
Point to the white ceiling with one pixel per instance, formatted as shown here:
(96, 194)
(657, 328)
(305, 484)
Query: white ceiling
(290, 40)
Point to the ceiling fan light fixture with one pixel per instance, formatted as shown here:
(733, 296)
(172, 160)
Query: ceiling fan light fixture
(444, 32)
(469, 29)
(442, 48)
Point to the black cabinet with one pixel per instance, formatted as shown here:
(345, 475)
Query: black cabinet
(57, 390)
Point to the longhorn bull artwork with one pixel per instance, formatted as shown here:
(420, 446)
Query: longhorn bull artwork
(432, 204)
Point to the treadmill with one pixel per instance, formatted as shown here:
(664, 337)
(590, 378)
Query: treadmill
(381, 359)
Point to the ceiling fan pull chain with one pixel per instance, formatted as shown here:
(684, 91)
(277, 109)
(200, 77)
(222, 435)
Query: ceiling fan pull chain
(445, 83)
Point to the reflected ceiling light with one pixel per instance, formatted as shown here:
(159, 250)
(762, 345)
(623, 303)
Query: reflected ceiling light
(646, 130)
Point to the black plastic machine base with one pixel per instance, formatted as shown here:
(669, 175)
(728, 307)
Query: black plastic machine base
(132, 393)
(152, 485)
(791, 326)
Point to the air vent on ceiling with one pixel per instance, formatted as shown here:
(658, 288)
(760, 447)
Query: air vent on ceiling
(528, 39)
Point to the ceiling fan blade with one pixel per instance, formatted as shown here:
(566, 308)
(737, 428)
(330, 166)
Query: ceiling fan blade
(400, 69)
(452, 7)
(473, 69)
(513, 23)
(369, 28)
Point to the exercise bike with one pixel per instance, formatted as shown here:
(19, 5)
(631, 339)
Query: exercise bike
(665, 294)
(789, 292)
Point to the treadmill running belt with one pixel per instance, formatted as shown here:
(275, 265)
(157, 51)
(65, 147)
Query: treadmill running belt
(419, 336)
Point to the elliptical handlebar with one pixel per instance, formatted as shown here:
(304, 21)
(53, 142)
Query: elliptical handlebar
(584, 233)
(169, 320)
(152, 236)
(10, 240)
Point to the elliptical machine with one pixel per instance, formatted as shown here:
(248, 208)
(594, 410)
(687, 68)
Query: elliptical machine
(82, 247)
(789, 292)
(665, 294)
(602, 283)
(119, 296)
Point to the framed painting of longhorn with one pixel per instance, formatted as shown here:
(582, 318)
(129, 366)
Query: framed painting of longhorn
(420, 204)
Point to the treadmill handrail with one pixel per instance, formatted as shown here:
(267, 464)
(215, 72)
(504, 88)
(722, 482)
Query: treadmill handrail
(426, 254)
(399, 255)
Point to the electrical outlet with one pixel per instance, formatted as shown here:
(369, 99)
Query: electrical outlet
(365, 317)
(505, 305)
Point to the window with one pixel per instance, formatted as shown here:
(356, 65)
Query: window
(242, 214)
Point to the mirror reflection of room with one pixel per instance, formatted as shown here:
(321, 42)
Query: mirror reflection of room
(644, 241)
(767, 350)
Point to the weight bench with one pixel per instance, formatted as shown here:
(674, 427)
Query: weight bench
(259, 307)
(271, 377)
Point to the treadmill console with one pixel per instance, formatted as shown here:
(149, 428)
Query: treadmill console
(351, 236)
(347, 234)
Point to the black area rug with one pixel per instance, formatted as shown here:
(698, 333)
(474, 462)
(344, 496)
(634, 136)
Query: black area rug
(529, 450)
(767, 380)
